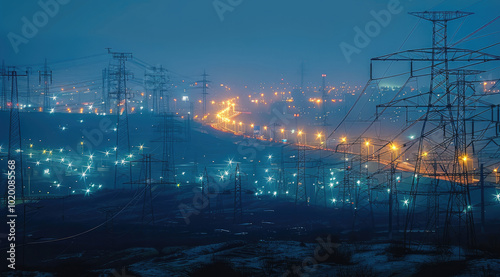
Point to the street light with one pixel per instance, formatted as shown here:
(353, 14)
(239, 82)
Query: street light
(319, 135)
(300, 133)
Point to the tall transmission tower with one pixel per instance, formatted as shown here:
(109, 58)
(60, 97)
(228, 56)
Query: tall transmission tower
(146, 179)
(29, 71)
(238, 208)
(361, 199)
(301, 188)
(344, 190)
(447, 116)
(104, 92)
(15, 139)
(204, 93)
(155, 81)
(205, 189)
(45, 79)
(320, 184)
(392, 191)
(324, 96)
(170, 130)
(118, 92)
(302, 75)
(282, 182)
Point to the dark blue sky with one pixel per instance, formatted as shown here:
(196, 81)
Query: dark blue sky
(258, 41)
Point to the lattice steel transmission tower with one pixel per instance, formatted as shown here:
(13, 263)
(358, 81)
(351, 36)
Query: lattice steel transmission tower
(155, 81)
(45, 79)
(146, 179)
(282, 186)
(320, 187)
(301, 188)
(105, 92)
(392, 191)
(448, 116)
(204, 92)
(15, 140)
(118, 92)
(29, 71)
(324, 96)
(238, 206)
(320, 196)
(205, 189)
(361, 188)
(170, 132)
(344, 190)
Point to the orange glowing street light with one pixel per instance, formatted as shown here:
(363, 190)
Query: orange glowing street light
(344, 139)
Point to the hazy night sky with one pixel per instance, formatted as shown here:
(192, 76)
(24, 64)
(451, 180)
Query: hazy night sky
(257, 42)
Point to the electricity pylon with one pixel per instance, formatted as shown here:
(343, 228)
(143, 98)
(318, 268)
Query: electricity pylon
(447, 115)
(45, 79)
(118, 92)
